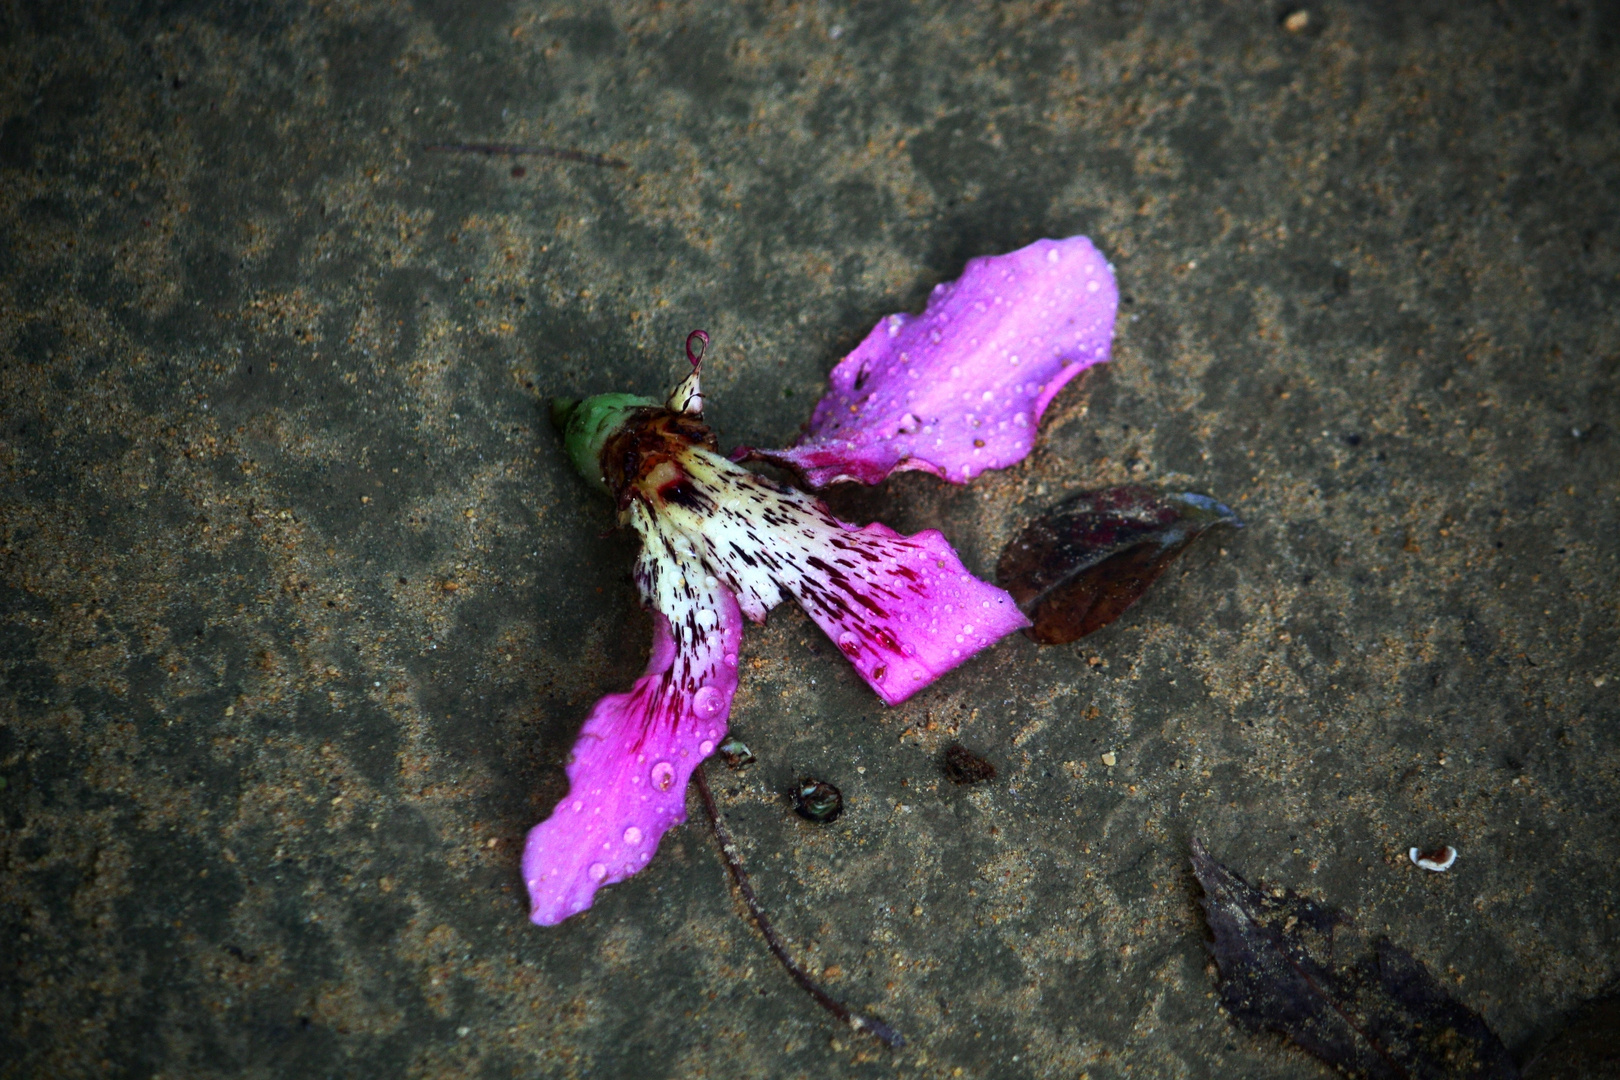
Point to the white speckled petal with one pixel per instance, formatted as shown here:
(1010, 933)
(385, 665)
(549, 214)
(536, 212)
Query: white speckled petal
(902, 608)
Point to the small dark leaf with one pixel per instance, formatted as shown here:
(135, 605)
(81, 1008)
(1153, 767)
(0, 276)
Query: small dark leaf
(1079, 566)
(1382, 1017)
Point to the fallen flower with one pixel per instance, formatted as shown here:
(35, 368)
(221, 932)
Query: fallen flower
(720, 542)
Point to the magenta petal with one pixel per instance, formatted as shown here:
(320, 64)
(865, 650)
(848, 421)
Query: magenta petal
(961, 388)
(902, 608)
(635, 754)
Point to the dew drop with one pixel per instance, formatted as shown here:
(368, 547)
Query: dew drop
(579, 804)
(663, 776)
(1052, 255)
(849, 643)
(632, 835)
(598, 871)
(1093, 286)
(707, 702)
(706, 747)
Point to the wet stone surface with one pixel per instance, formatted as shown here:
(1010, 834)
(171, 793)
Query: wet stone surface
(301, 604)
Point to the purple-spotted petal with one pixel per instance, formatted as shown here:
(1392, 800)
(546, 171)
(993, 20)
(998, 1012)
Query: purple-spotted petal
(961, 388)
(902, 608)
(628, 774)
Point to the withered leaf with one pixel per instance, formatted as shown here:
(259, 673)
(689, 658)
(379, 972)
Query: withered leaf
(1295, 967)
(1588, 1047)
(1079, 566)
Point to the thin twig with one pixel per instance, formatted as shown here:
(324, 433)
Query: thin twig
(777, 946)
(513, 150)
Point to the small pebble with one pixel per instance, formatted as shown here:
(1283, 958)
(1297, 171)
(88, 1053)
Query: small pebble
(817, 801)
(1439, 860)
(735, 753)
(1110, 759)
(1297, 21)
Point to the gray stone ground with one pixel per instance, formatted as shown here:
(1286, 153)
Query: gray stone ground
(271, 379)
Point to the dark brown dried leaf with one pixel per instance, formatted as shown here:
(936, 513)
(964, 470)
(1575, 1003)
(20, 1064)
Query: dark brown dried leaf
(1588, 1048)
(1079, 566)
(1283, 969)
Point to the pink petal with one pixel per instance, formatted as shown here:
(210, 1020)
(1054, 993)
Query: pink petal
(628, 774)
(961, 388)
(902, 608)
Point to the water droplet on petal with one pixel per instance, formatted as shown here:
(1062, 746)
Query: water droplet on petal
(663, 776)
(706, 747)
(632, 835)
(598, 871)
(849, 643)
(708, 702)
(579, 804)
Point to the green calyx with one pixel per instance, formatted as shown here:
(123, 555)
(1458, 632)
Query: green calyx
(587, 425)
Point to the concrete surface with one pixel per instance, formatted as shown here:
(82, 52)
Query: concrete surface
(302, 605)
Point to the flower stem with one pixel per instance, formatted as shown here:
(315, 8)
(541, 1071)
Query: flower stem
(778, 947)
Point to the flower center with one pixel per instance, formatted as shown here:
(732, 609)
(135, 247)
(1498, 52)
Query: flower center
(643, 460)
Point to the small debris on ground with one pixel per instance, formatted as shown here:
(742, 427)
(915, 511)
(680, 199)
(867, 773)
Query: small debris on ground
(1439, 859)
(735, 753)
(817, 801)
(963, 766)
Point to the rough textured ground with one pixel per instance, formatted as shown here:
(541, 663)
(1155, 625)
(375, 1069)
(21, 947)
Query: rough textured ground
(300, 605)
